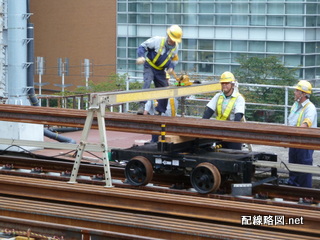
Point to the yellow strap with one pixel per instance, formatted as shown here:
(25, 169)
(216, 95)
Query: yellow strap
(153, 65)
(159, 51)
(173, 109)
(224, 116)
(301, 113)
(160, 67)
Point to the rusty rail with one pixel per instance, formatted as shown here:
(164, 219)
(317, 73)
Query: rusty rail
(120, 225)
(179, 206)
(254, 133)
(94, 173)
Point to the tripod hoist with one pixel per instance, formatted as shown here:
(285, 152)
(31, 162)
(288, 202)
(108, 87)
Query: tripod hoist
(97, 106)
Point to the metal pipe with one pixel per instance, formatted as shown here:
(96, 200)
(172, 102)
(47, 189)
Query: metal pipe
(17, 52)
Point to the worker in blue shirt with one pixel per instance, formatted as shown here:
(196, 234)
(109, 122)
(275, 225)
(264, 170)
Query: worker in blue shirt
(303, 114)
(158, 54)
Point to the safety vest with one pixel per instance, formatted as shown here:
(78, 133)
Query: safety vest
(301, 113)
(224, 116)
(153, 62)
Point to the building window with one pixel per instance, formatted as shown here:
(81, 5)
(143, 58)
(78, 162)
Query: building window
(257, 46)
(206, 19)
(189, 56)
(274, 47)
(222, 57)
(310, 60)
(310, 47)
(205, 45)
(239, 20)
(294, 21)
(292, 47)
(122, 7)
(158, 7)
(122, 18)
(311, 21)
(257, 20)
(294, 8)
(222, 45)
(239, 46)
(293, 61)
(189, 44)
(159, 19)
(223, 20)
(189, 19)
(275, 21)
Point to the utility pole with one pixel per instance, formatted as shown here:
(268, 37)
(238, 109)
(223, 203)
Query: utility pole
(63, 70)
(40, 70)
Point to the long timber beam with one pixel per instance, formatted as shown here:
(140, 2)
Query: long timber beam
(110, 98)
(245, 132)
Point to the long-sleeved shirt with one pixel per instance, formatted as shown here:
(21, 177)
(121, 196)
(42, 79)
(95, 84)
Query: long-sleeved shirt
(152, 45)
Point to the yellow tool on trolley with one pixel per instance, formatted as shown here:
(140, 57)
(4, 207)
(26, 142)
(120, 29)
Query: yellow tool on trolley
(183, 80)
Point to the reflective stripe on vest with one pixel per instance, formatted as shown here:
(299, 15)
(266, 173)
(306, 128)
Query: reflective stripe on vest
(301, 113)
(228, 109)
(153, 62)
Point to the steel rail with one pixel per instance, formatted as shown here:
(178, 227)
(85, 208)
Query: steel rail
(117, 171)
(139, 224)
(40, 229)
(157, 203)
(254, 133)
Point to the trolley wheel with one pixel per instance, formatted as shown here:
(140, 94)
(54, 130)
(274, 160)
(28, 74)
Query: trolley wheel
(139, 171)
(205, 178)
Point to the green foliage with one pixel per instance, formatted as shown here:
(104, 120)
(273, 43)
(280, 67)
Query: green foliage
(114, 82)
(267, 71)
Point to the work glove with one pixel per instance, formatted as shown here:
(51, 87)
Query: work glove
(170, 71)
(140, 60)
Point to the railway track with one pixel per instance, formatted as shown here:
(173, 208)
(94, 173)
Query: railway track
(255, 133)
(58, 169)
(158, 200)
(126, 224)
(45, 183)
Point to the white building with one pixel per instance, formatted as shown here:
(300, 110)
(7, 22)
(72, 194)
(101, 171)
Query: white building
(216, 32)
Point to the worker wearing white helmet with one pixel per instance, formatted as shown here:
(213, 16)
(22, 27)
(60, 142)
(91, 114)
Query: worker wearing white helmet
(303, 114)
(228, 104)
(158, 54)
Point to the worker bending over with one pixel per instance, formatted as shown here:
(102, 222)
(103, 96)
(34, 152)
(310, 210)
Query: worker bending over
(228, 104)
(303, 114)
(157, 54)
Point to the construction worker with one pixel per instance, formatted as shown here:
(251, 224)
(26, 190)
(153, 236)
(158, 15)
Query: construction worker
(303, 114)
(157, 54)
(228, 104)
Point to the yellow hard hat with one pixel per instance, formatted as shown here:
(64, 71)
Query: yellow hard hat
(175, 33)
(227, 77)
(304, 86)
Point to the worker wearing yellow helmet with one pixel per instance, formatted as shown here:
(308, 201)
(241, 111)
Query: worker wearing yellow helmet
(158, 54)
(228, 104)
(303, 113)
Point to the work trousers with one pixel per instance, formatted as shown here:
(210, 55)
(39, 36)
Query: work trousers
(300, 156)
(159, 79)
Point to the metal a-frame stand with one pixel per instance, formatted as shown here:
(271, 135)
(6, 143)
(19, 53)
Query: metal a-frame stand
(98, 102)
(97, 108)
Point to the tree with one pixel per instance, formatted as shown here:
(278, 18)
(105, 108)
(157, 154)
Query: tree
(267, 71)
